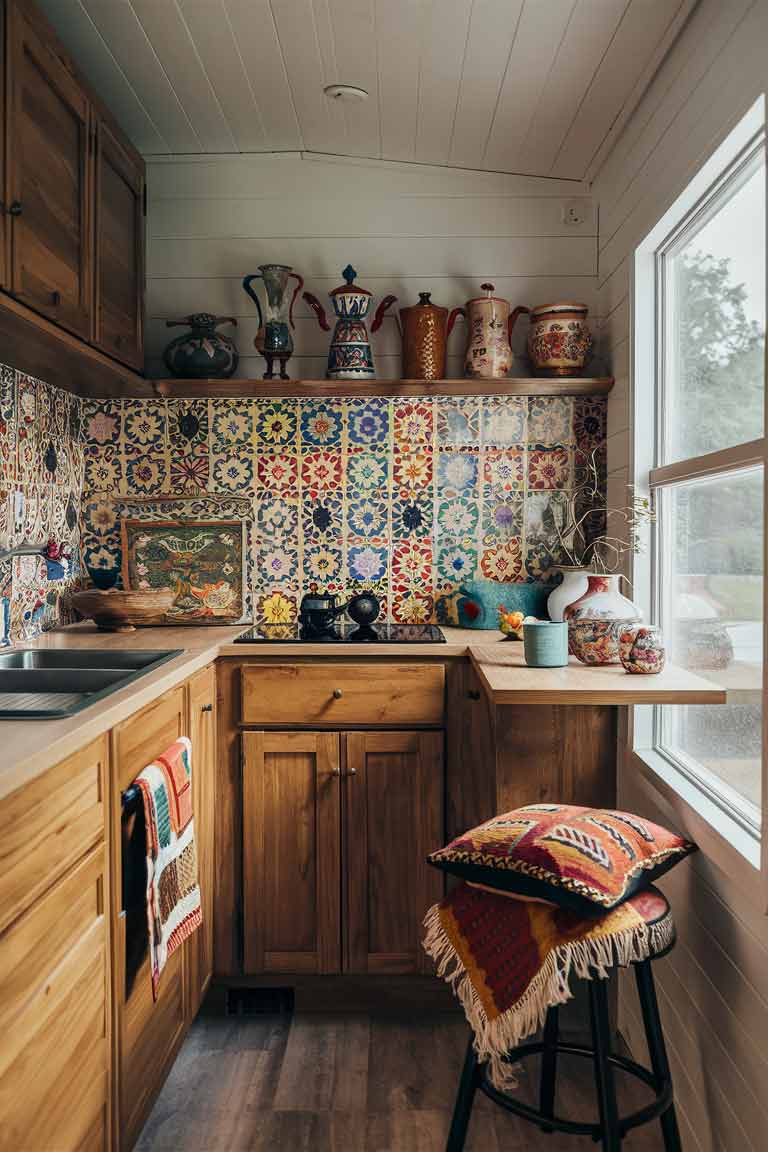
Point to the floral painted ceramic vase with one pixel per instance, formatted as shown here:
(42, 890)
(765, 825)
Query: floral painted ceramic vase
(559, 340)
(574, 585)
(489, 330)
(593, 620)
(641, 650)
(350, 356)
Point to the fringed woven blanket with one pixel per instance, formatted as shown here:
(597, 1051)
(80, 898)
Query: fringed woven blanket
(509, 960)
(173, 893)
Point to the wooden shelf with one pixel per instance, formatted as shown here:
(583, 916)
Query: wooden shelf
(510, 386)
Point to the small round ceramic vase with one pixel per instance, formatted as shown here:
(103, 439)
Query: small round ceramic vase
(641, 650)
(601, 604)
(573, 586)
(559, 340)
(202, 353)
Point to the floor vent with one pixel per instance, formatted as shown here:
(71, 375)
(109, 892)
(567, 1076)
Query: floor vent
(259, 1001)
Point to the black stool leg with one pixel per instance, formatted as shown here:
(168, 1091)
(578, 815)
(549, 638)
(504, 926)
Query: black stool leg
(548, 1077)
(601, 1039)
(657, 1051)
(462, 1109)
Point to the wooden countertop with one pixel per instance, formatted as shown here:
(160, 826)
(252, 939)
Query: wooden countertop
(508, 680)
(32, 746)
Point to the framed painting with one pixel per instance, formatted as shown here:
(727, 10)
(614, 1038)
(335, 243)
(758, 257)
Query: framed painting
(202, 561)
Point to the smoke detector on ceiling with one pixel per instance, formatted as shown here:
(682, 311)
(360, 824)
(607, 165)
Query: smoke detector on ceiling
(345, 93)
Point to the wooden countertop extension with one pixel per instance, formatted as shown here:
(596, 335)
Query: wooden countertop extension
(508, 680)
(32, 746)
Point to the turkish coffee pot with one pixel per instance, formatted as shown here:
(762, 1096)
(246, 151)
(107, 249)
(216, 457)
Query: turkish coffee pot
(424, 331)
(489, 332)
(350, 356)
(273, 339)
(318, 613)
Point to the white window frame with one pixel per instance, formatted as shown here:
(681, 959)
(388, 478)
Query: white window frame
(709, 803)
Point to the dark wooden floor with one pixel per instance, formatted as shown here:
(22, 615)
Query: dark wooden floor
(352, 1083)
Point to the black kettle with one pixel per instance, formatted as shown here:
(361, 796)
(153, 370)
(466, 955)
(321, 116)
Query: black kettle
(317, 613)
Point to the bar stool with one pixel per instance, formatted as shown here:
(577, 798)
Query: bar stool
(611, 1128)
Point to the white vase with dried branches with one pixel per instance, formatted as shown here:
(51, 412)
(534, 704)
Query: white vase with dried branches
(592, 537)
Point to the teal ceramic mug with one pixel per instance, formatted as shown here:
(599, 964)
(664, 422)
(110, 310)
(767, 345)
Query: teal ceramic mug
(546, 643)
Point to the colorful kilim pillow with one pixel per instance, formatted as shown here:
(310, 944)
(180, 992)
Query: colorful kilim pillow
(586, 859)
(509, 960)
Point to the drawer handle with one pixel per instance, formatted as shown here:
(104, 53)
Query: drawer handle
(207, 708)
(14, 209)
(337, 693)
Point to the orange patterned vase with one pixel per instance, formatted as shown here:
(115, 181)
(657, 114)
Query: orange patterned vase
(559, 340)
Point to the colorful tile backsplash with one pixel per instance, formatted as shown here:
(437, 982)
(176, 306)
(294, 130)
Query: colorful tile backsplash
(41, 476)
(409, 497)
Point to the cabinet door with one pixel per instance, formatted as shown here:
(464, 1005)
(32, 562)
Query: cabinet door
(202, 731)
(50, 177)
(149, 1032)
(394, 783)
(54, 1017)
(5, 219)
(119, 255)
(291, 852)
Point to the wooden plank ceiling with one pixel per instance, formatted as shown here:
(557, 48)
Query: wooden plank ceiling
(532, 86)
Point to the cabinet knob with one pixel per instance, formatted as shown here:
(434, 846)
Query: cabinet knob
(207, 708)
(352, 772)
(473, 694)
(335, 771)
(337, 693)
(55, 299)
(14, 208)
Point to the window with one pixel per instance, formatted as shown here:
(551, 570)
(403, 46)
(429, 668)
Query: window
(699, 447)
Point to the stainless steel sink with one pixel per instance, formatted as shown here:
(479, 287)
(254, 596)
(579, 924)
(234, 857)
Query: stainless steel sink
(46, 684)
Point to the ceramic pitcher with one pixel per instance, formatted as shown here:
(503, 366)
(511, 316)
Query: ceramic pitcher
(424, 331)
(489, 329)
(350, 356)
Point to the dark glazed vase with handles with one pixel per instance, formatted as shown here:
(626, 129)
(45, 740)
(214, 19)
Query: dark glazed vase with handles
(274, 340)
(202, 353)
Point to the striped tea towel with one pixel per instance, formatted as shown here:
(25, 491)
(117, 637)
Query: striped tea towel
(173, 892)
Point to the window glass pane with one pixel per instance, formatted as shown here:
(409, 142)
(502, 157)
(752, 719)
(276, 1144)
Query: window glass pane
(714, 323)
(711, 539)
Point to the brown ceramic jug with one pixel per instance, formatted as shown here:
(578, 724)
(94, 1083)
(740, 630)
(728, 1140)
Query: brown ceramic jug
(424, 330)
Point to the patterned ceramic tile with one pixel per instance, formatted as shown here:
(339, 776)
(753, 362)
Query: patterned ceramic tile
(502, 560)
(190, 471)
(144, 424)
(145, 472)
(275, 422)
(99, 516)
(413, 424)
(367, 517)
(540, 561)
(322, 563)
(322, 517)
(368, 421)
(276, 563)
(458, 422)
(589, 422)
(103, 469)
(411, 564)
(503, 472)
(101, 421)
(456, 561)
(413, 470)
(503, 516)
(457, 517)
(276, 607)
(457, 472)
(504, 421)
(367, 471)
(412, 516)
(550, 420)
(188, 425)
(277, 471)
(232, 470)
(321, 472)
(367, 562)
(549, 468)
(412, 607)
(545, 516)
(231, 422)
(277, 517)
(322, 422)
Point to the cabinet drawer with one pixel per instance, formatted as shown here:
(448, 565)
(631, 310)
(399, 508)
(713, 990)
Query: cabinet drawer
(47, 825)
(338, 694)
(54, 1061)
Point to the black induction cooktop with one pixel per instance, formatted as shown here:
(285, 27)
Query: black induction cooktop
(346, 633)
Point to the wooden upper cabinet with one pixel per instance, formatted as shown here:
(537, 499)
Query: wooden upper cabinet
(394, 818)
(202, 732)
(50, 177)
(291, 852)
(5, 219)
(119, 249)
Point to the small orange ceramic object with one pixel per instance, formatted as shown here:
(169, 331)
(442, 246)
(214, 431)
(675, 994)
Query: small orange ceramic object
(511, 623)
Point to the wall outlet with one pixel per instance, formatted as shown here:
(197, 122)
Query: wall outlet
(576, 212)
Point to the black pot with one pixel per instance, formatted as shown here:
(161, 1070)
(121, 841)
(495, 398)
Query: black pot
(364, 608)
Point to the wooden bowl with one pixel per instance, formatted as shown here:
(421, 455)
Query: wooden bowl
(120, 611)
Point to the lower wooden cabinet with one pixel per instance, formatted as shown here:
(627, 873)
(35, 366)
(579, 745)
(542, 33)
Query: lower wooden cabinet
(335, 830)
(54, 1017)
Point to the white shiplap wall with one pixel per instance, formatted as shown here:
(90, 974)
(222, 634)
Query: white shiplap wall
(713, 988)
(405, 228)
